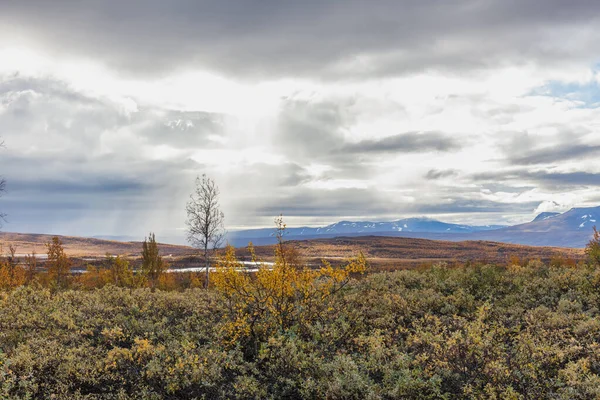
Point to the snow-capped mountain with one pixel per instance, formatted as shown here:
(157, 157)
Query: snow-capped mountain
(545, 215)
(354, 228)
(570, 229)
(574, 220)
(573, 228)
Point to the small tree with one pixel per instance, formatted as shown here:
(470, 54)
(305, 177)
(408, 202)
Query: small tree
(121, 273)
(152, 263)
(59, 265)
(30, 266)
(592, 249)
(205, 219)
(11, 274)
(286, 254)
(13, 261)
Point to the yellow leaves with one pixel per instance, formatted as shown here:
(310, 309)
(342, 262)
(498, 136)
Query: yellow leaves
(142, 348)
(11, 276)
(228, 277)
(357, 265)
(275, 299)
(141, 351)
(116, 356)
(113, 334)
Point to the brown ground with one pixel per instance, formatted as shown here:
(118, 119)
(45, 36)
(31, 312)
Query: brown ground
(382, 252)
(387, 252)
(82, 247)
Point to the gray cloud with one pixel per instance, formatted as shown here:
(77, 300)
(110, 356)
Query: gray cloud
(409, 142)
(48, 116)
(49, 113)
(554, 154)
(434, 174)
(549, 179)
(564, 180)
(104, 167)
(329, 203)
(312, 128)
(326, 39)
(470, 206)
(182, 129)
(77, 164)
(369, 202)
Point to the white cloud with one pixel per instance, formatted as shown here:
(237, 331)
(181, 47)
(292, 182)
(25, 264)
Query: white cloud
(552, 206)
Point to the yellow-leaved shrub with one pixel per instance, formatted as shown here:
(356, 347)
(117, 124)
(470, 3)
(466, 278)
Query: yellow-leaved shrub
(285, 296)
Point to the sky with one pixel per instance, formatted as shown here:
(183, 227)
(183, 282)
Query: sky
(470, 111)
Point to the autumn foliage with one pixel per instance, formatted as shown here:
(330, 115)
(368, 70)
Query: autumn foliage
(517, 330)
(278, 298)
(11, 273)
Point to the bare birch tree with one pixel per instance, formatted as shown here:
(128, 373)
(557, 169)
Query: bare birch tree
(205, 220)
(2, 190)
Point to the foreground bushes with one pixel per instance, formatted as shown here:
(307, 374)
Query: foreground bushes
(477, 332)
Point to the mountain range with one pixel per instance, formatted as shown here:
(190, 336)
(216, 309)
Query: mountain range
(570, 229)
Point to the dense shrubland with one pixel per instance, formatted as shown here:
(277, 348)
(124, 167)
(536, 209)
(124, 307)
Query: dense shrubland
(480, 331)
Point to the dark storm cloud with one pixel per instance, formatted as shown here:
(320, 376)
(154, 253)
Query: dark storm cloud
(409, 142)
(335, 38)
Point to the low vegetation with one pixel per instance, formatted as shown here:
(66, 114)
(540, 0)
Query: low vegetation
(513, 331)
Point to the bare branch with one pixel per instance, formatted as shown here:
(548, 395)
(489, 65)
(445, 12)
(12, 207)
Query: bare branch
(205, 222)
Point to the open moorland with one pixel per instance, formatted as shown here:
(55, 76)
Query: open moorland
(382, 252)
(398, 252)
(26, 243)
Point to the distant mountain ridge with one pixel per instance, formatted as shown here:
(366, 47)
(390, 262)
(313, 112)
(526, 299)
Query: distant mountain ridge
(570, 229)
(368, 227)
(573, 228)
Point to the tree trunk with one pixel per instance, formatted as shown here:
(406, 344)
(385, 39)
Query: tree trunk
(207, 262)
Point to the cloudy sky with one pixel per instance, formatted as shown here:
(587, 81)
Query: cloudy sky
(478, 111)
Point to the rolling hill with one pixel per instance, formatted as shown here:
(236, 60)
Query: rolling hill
(80, 247)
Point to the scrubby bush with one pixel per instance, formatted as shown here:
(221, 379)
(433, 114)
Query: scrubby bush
(503, 332)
